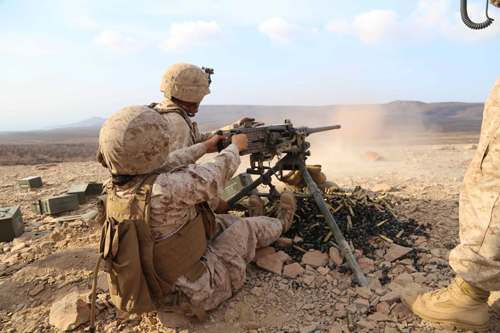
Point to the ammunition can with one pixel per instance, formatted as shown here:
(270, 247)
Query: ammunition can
(11, 223)
(59, 204)
(93, 189)
(79, 191)
(235, 185)
(85, 190)
(30, 182)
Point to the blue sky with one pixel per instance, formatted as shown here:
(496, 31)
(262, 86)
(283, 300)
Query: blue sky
(66, 61)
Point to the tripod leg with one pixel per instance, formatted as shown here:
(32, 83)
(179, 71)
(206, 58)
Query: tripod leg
(344, 246)
(249, 188)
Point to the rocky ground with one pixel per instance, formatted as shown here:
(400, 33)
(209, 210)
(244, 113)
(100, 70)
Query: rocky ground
(51, 264)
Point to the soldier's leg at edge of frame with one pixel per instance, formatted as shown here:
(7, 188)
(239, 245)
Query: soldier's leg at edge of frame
(459, 304)
(475, 259)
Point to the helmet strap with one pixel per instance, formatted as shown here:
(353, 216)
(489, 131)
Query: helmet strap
(189, 110)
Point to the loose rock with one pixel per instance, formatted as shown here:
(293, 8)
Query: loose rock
(315, 259)
(69, 312)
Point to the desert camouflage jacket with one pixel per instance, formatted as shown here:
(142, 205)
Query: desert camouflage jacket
(175, 194)
(185, 139)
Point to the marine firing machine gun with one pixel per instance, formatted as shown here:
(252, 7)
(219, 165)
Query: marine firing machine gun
(266, 142)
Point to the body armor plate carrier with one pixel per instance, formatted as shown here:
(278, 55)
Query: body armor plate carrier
(138, 269)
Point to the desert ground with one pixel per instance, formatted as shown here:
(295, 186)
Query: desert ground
(422, 172)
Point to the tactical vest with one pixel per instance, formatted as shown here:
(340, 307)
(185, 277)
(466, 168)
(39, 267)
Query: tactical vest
(139, 269)
(193, 126)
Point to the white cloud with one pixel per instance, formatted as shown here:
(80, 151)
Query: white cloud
(430, 13)
(314, 31)
(83, 22)
(24, 48)
(430, 20)
(378, 27)
(117, 42)
(279, 30)
(337, 27)
(424, 22)
(188, 34)
(459, 31)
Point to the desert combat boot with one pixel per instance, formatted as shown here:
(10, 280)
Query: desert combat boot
(460, 304)
(255, 206)
(286, 210)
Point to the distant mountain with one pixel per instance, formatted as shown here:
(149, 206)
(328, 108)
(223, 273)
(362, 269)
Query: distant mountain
(91, 122)
(446, 109)
(451, 114)
(394, 116)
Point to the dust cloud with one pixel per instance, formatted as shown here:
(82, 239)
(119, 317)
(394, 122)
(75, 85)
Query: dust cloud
(392, 130)
(364, 128)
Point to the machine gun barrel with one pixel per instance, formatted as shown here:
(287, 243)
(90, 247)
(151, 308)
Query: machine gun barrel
(322, 129)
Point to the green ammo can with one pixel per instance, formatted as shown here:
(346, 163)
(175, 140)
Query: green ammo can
(93, 189)
(30, 182)
(235, 185)
(85, 190)
(60, 204)
(79, 191)
(11, 223)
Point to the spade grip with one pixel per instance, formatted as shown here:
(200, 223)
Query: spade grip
(224, 144)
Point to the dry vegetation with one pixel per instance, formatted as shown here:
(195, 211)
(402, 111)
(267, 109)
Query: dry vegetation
(30, 154)
(40, 147)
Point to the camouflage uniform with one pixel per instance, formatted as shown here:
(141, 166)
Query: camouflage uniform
(477, 258)
(187, 83)
(185, 138)
(173, 200)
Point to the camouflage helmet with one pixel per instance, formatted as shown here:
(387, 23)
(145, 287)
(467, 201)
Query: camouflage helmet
(186, 82)
(134, 141)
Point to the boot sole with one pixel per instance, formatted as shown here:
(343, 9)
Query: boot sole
(472, 327)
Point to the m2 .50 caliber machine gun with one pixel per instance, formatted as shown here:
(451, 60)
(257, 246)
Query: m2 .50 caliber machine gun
(266, 142)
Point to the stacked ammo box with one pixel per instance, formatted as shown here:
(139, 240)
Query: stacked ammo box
(11, 223)
(30, 182)
(85, 190)
(76, 195)
(11, 220)
(59, 204)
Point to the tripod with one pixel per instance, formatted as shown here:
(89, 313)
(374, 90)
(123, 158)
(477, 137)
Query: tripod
(294, 161)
